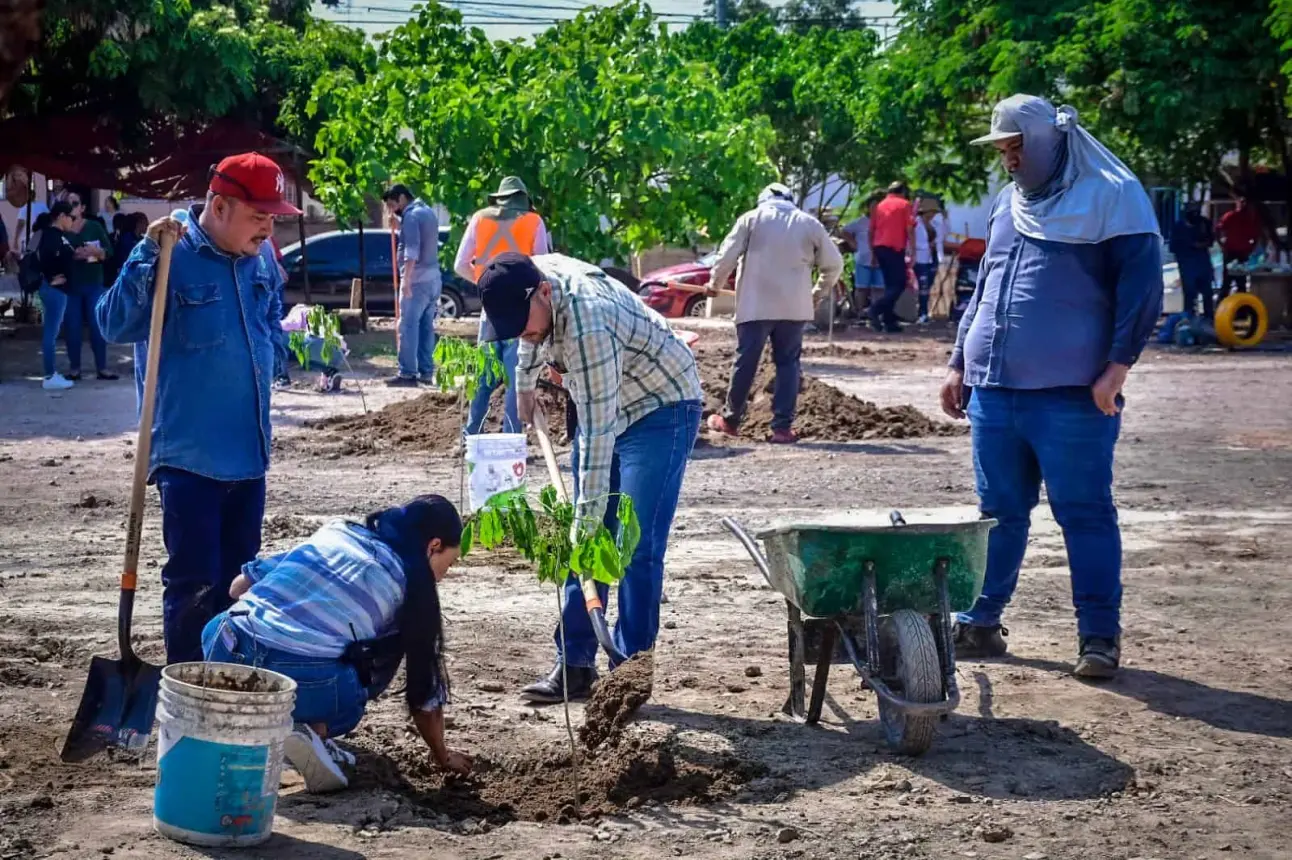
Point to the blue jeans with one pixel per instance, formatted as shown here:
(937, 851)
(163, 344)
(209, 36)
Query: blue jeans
(1197, 283)
(1059, 436)
(787, 346)
(211, 529)
(893, 265)
(650, 460)
(327, 690)
(80, 311)
(924, 275)
(417, 330)
(866, 277)
(53, 304)
(506, 352)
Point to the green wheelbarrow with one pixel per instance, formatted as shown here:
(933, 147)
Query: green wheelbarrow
(879, 595)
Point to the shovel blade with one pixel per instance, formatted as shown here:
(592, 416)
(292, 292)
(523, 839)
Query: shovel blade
(116, 710)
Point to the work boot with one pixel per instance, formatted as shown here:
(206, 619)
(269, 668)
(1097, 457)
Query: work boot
(547, 691)
(718, 424)
(1098, 658)
(310, 756)
(783, 437)
(974, 642)
(402, 382)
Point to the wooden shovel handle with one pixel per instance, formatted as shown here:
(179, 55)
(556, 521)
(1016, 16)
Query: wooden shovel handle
(143, 443)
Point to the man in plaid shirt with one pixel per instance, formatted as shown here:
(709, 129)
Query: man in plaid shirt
(636, 389)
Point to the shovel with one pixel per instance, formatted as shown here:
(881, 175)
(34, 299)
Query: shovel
(591, 600)
(120, 696)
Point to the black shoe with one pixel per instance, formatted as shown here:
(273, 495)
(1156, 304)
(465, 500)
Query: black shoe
(978, 643)
(402, 382)
(73, 377)
(107, 376)
(1098, 658)
(548, 690)
(892, 329)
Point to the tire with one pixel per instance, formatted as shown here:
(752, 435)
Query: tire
(450, 305)
(1241, 321)
(910, 666)
(695, 307)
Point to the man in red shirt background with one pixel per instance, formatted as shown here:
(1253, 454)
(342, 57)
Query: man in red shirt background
(891, 240)
(1240, 230)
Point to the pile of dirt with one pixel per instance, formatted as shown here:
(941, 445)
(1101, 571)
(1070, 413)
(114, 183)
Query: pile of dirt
(615, 699)
(428, 422)
(824, 413)
(538, 784)
(618, 770)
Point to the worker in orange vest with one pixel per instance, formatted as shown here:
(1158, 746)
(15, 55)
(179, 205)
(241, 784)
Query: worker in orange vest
(508, 224)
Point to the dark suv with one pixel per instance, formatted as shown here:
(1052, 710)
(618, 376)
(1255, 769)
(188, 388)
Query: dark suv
(333, 260)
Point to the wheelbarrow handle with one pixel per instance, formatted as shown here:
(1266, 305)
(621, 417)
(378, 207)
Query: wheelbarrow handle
(750, 546)
(591, 599)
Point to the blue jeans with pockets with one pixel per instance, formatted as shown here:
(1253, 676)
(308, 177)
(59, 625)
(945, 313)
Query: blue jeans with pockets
(1057, 436)
(649, 463)
(211, 529)
(328, 691)
(417, 315)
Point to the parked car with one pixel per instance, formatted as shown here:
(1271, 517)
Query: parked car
(672, 302)
(333, 260)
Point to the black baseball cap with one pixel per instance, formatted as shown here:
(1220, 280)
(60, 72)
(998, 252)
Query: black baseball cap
(506, 286)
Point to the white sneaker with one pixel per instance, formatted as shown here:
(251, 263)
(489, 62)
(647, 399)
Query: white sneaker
(57, 382)
(309, 755)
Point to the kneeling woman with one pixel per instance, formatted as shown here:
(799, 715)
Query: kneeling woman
(336, 614)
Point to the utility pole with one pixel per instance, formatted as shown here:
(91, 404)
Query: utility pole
(721, 6)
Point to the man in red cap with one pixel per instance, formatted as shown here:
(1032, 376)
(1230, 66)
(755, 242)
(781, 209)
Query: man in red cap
(211, 431)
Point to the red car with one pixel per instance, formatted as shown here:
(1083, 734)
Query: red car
(672, 302)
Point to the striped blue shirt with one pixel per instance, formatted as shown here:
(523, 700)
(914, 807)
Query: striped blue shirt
(341, 585)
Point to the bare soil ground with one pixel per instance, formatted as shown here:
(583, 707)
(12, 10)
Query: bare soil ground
(1187, 755)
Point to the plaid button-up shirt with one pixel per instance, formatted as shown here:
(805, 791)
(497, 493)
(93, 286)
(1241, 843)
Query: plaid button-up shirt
(620, 361)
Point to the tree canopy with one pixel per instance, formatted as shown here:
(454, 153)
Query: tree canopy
(131, 60)
(624, 141)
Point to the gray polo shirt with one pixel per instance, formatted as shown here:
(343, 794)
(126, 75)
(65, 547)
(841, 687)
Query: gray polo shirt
(419, 241)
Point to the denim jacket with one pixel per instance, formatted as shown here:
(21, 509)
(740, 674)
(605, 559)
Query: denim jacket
(222, 326)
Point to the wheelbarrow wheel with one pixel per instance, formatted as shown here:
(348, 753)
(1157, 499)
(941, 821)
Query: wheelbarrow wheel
(909, 662)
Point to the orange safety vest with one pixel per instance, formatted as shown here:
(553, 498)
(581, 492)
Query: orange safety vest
(496, 236)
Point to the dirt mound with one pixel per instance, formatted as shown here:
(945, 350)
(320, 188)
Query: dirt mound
(428, 422)
(824, 413)
(538, 785)
(615, 699)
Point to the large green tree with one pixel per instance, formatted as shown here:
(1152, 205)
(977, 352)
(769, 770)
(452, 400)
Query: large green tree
(817, 87)
(624, 142)
(179, 60)
(1172, 85)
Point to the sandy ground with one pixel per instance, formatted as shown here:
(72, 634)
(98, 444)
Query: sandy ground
(1187, 755)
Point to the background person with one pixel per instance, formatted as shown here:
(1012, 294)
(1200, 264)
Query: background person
(867, 278)
(338, 614)
(1191, 240)
(92, 246)
(419, 285)
(55, 255)
(1069, 293)
(211, 429)
(891, 240)
(774, 249)
(508, 224)
(1240, 232)
(929, 234)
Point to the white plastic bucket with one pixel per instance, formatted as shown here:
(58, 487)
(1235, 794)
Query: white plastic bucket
(220, 752)
(495, 464)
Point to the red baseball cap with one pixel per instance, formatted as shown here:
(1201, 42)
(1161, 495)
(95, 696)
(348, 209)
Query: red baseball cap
(255, 180)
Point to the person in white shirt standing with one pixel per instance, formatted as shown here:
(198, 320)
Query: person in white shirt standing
(930, 236)
(508, 224)
(866, 275)
(776, 246)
